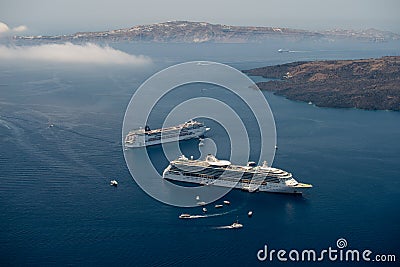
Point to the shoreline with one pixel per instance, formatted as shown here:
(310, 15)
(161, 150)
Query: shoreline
(367, 84)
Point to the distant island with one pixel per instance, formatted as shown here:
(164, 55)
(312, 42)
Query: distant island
(372, 84)
(200, 32)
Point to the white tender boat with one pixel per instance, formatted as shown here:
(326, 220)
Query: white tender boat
(184, 216)
(236, 225)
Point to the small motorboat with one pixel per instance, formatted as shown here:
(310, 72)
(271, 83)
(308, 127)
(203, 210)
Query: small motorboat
(218, 206)
(236, 225)
(113, 183)
(204, 210)
(201, 203)
(226, 202)
(184, 216)
(250, 213)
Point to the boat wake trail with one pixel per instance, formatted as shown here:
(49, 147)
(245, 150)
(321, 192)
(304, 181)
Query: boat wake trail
(223, 227)
(235, 225)
(84, 135)
(199, 216)
(298, 51)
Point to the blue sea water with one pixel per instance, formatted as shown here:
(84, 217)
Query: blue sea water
(57, 207)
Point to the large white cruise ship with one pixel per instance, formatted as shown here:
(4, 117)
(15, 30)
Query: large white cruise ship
(222, 173)
(147, 137)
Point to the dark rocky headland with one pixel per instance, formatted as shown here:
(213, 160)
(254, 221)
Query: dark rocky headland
(372, 84)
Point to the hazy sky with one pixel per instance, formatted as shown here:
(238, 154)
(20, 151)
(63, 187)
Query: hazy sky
(69, 16)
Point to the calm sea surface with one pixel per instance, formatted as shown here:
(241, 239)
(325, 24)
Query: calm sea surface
(57, 207)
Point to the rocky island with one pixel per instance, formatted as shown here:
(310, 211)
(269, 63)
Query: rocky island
(372, 84)
(204, 32)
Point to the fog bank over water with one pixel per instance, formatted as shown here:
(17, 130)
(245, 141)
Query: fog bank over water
(73, 53)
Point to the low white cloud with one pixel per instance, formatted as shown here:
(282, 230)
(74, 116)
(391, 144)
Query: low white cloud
(72, 53)
(20, 28)
(3, 27)
(6, 30)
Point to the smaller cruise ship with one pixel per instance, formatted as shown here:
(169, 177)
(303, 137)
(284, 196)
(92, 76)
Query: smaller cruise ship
(147, 137)
(251, 178)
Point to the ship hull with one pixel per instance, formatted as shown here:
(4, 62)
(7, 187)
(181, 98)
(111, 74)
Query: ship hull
(269, 187)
